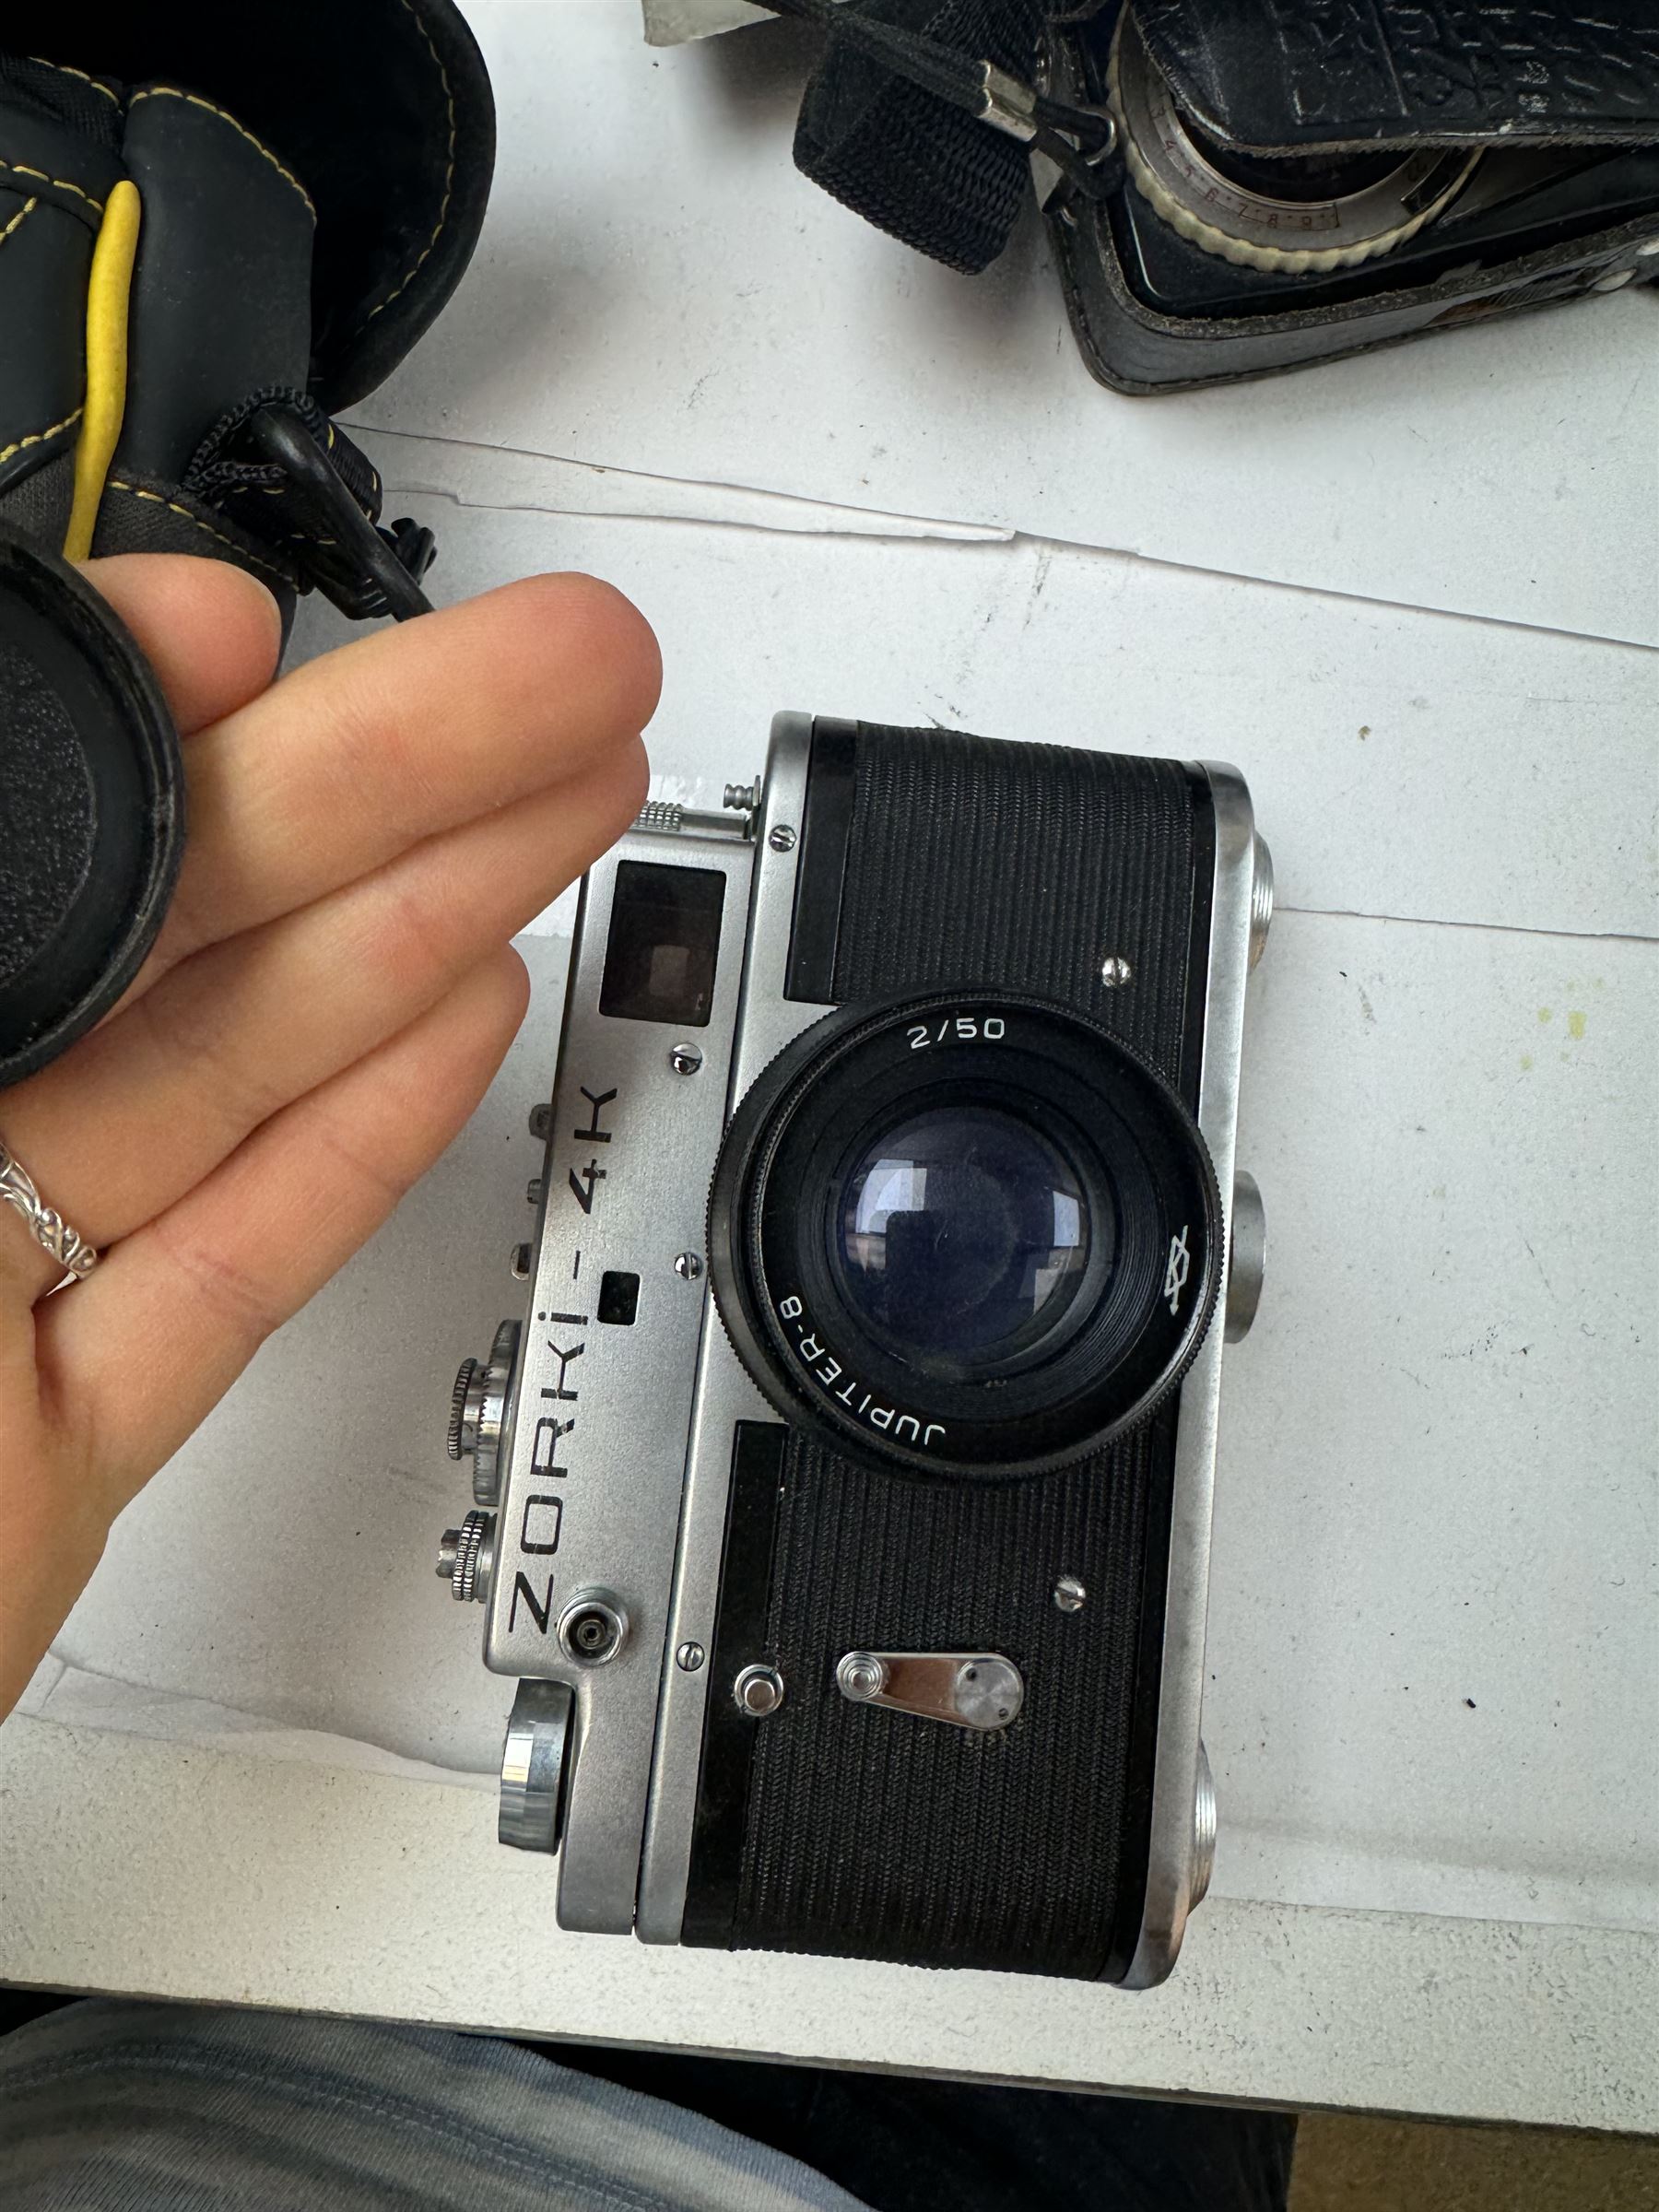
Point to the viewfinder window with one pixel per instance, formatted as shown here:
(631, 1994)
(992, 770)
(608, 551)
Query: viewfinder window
(663, 944)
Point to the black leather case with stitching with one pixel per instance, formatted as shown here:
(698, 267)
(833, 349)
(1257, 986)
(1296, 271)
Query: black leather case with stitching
(1555, 106)
(309, 201)
(304, 186)
(1290, 75)
(55, 181)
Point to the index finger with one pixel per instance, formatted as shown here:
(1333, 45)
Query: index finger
(211, 632)
(353, 758)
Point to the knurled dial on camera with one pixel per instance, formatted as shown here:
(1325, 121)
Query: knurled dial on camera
(477, 1413)
(1296, 214)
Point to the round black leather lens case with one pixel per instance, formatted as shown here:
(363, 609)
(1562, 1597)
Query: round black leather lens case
(91, 806)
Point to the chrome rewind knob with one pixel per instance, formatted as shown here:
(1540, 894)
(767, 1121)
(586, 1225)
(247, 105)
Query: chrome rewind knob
(477, 1412)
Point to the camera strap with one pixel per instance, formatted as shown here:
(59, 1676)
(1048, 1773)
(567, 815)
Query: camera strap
(295, 481)
(923, 113)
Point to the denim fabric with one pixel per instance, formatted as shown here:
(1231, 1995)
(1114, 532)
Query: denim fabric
(116, 2107)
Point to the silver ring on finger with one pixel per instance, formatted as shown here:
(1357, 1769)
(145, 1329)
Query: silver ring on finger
(48, 1228)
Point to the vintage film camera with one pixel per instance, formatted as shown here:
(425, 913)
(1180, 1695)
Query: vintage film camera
(1306, 178)
(858, 1608)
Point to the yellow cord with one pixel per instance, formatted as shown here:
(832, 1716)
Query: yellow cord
(107, 292)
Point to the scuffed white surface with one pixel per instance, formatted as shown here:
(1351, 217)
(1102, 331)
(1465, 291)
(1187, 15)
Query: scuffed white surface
(71, 1696)
(505, 480)
(1413, 1508)
(1433, 1634)
(253, 1771)
(1401, 763)
(230, 1876)
(659, 289)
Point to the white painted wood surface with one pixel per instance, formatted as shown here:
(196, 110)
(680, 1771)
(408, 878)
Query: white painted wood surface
(252, 1769)
(256, 1881)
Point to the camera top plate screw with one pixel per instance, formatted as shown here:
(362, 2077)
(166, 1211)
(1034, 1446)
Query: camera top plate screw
(781, 839)
(689, 1657)
(688, 1265)
(1116, 970)
(685, 1059)
(1070, 1594)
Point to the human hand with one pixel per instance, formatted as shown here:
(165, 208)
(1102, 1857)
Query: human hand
(328, 999)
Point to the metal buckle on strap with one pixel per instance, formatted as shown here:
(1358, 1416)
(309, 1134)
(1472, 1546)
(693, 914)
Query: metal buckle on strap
(1080, 142)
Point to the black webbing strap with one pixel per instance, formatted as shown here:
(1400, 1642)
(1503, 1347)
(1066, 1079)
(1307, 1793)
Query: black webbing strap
(923, 112)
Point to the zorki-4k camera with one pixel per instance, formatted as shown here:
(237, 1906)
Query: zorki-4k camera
(1298, 179)
(843, 1497)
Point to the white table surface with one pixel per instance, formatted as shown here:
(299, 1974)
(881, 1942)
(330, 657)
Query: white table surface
(256, 1767)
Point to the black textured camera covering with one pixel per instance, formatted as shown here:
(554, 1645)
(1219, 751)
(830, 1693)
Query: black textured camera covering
(875, 1835)
(1292, 74)
(974, 861)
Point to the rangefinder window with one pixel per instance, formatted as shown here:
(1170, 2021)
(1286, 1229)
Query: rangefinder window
(663, 944)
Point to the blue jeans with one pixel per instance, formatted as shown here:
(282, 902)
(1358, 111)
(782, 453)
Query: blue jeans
(114, 2107)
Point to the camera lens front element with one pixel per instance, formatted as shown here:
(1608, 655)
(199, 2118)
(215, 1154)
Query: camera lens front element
(972, 1234)
(961, 1236)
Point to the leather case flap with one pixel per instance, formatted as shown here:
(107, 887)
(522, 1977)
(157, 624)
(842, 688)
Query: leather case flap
(1293, 75)
(53, 184)
(382, 108)
(221, 294)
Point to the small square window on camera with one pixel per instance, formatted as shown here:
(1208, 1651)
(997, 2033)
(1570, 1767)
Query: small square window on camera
(663, 946)
(619, 1298)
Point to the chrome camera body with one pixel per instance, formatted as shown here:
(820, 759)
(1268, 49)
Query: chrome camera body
(846, 1520)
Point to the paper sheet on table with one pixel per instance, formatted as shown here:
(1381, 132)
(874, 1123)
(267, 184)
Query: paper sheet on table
(1401, 763)
(669, 22)
(75, 1697)
(658, 288)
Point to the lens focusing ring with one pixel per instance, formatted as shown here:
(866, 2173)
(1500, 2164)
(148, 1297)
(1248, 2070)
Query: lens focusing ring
(774, 1212)
(1248, 225)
